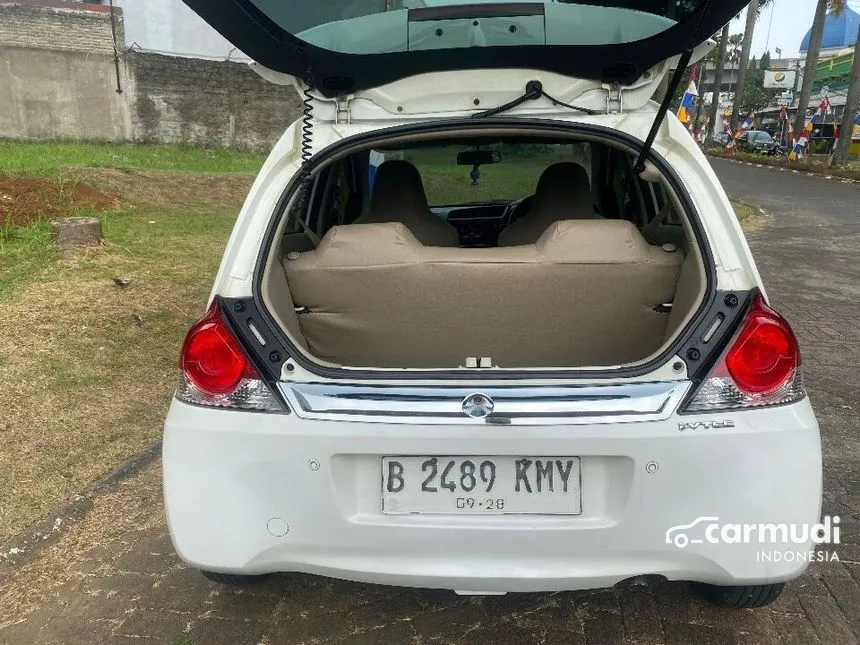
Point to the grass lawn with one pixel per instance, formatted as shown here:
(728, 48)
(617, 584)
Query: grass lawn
(87, 367)
(815, 165)
(744, 211)
(48, 157)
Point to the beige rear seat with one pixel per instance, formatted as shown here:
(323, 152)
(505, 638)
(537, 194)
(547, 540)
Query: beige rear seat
(582, 295)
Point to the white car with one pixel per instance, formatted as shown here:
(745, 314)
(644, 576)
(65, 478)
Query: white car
(486, 321)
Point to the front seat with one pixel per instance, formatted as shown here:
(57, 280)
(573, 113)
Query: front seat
(562, 192)
(398, 196)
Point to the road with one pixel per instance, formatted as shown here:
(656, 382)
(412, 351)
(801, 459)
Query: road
(808, 252)
(113, 578)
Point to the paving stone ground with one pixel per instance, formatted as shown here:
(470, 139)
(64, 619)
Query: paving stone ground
(113, 577)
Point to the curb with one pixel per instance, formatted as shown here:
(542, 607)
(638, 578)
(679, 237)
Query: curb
(820, 175)
(26, 545)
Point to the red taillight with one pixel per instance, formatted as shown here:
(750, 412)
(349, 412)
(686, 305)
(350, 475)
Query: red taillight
(211, 358)
(765, 353)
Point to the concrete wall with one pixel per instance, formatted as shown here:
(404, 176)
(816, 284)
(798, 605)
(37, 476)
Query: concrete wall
(58, 80)
(57, 74)
(48, 94)
(204, 102)
(62, 26)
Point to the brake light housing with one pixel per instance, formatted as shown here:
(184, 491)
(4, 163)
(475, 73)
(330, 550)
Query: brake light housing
(760, 367)
(215, 370)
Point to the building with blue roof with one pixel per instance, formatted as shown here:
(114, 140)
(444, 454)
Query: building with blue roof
(840, 32)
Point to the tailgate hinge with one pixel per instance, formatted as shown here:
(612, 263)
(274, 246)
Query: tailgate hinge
(614, 98)
(342, 110)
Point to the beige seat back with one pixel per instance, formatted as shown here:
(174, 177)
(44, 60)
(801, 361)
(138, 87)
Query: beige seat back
(562, 193)
(583, 295)
(398, 196)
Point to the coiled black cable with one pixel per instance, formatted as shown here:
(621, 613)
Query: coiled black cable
(306, 145)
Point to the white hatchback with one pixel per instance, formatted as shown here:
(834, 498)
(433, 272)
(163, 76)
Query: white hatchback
(487, 321)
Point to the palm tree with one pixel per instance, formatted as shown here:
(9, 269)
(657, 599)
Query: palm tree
(736, 43)
(815, 37)
(718, 82)
(840, 152)
(752, 15)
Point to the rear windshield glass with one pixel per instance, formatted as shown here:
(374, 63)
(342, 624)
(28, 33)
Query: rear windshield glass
(502, 172)
(385, 26)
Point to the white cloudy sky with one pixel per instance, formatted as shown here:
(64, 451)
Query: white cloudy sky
(782, 24)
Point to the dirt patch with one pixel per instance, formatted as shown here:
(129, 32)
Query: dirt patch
(25, 200)
(169, 189)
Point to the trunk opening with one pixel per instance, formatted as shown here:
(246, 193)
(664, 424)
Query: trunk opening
(556, 259)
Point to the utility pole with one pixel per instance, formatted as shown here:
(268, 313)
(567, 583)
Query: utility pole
(794, 91)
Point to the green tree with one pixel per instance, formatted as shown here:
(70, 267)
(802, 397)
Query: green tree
(736, 42)
(840, 150)
(756, 96)
(754, 10)
(720, 64)
(816, 35)
(752, 15)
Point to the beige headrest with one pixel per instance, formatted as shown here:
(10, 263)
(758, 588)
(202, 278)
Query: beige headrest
(397, 190)
(398, 196)
(563, 192)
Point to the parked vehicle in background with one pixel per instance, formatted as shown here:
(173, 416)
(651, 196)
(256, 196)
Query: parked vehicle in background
(759, 141)
(721, 138)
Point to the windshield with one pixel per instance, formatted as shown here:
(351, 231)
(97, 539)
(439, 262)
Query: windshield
(451, 179)
(762, 137)
(384, 26)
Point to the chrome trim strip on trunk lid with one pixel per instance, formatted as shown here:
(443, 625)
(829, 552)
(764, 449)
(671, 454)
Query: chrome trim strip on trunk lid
(499, 405)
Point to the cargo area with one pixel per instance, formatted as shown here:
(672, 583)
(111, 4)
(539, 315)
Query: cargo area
(509, 253)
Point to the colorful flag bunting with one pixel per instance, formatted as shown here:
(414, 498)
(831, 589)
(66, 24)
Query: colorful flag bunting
(744, 126)
(783, 114)
(824, 108)
(685, 112)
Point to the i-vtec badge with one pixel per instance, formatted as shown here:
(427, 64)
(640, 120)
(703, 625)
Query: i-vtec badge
(705, 425)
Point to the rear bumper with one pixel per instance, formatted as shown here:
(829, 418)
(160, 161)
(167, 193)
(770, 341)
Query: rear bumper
(244, 494)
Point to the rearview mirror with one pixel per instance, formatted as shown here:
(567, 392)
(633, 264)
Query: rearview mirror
(478, 157)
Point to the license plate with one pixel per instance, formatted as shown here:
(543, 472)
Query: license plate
(481, 485)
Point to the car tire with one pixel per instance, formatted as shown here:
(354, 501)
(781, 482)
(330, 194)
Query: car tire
(741, 597)
(234, 579)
